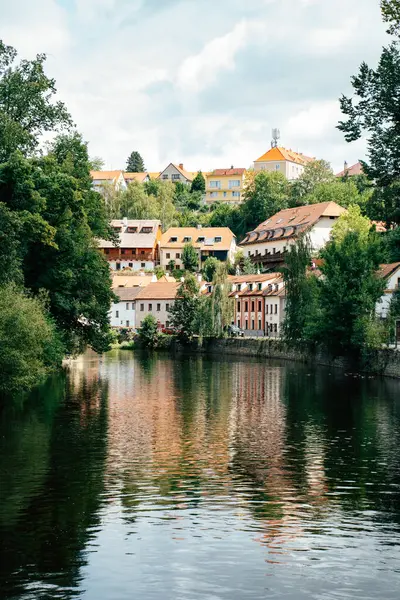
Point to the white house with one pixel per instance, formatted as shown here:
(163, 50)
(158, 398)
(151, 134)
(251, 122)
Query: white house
(156, 299)
(177, 173)
(391, 274)
(103, 179)
(269, 242)
(123, 312)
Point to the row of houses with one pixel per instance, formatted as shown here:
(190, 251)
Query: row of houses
(259, 300)
(222, 185)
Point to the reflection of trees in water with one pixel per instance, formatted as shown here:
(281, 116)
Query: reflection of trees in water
(62, 435)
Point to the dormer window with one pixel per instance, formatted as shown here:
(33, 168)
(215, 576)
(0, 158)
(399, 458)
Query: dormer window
(174, 239)
(276, 287)
(251, 287)
(239, 287)
(146, 230)
(187, 239)
(218, 239)
(132, 230)
(201, 239)
(209, 289)
(259, 287)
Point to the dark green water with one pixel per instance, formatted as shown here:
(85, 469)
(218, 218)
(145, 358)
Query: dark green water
(199, 479)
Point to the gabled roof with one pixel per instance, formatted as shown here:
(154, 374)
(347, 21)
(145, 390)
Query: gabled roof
(350, 171)
(133, 240)
(105, 175)
(208, 233)
(222, 172)
(386, 271)
(187, 174)
(139, 177)
(126, 294)
(280, 154)
(234, 279)
(291, 222)
(159, 291)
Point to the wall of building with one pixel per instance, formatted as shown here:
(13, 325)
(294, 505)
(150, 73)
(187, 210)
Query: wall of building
(123, 314)
(289, 169)
(158, 308)
(172, 174)
(135, 265)
(224, 193)
(168, 254)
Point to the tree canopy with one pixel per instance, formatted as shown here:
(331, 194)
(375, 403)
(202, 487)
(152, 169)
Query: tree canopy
(135, 163)
(266, 194)
(198, 183)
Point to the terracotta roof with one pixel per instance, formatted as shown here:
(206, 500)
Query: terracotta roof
(221, 172)
(252, 278)
(386, 271)
(154, 175)
(127, 293)
(350, 171)
(159, 291)
(139, 177)
(130, 280)
(280, 153)
(133, 240)
(291, 222)
(105, 175)
(208, 233)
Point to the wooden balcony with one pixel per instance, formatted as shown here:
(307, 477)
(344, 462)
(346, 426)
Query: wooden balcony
(269, 259)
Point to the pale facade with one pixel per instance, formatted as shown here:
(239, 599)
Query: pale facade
(108, 179)
(391, 274)
(177, 173)
(225, 185)
(156, 299)
(291, 164)
(123, 312)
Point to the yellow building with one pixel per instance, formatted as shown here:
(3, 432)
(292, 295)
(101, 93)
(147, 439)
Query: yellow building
(225, 185)
(291, 164)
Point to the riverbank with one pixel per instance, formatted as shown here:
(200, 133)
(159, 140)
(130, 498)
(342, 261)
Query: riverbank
(385, 362)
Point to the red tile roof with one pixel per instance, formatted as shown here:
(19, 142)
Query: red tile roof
(228, 172)
(386, 271)
(350, 171)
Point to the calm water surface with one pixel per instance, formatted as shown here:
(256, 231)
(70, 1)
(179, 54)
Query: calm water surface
(147, 478)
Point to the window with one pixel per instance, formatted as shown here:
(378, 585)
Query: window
(146, 230)
(213, 194)
(168, 255)
(131, 230)
(175, 176)
(215, 184)
(251, 287)
(158, 307)
(218, 239)
(167, 307)
(177, 255)
(201, 239)
(133, 250)
(165, 176)
(130, 265)
(273, 250)
(225, 194)
(276, 328)
(142, 252)
(118, 266)
(236, 194)
(266, 309)
(259, 287)
(127, 306)
(238, 306)
(246, 324)
(187, 239)
(238, 323)
(107, 251)
(253, 324)
(276, 309)
(143, 265)
(174, 239)
(259, 307)
(142, 307)
(116, 314)
(246, 307)
(127, 323)
(398, 282)
(150, 307)
(252, 306)
(277, 167)
(234, 183)
(239, 287)
(259, 324)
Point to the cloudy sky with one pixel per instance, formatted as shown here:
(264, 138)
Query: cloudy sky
(201, 81)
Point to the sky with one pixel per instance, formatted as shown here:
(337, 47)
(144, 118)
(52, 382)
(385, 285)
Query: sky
(201, 82)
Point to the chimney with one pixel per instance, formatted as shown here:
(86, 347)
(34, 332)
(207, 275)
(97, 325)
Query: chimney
(199, 226)
(232, 167)
(181, 166)
(346, 166)
(125, 222)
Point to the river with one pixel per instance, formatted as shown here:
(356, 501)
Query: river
(137, 477)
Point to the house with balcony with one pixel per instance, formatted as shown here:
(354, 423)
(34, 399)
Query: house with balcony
(259, 307)
(225, 185)
(391, 274)
(138, 245)
(269, 242)
(291, 164)
(218, 242)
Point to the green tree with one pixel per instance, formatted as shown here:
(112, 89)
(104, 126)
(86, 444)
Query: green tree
(266, 194)
(302, 293)
(96, 163)
(344, 193)
(222, 306)
(159, 272)
(392, 244)
(29, 343)
(198, 183)
(315, 173)
(391, 14)
(373, 111)
(349, 291)
(171, 265)
(248, 267)
(27, 107)
(134, 203)
(185, 311)
(226, 215)
(190, 258)
(210, 267)
(135, 163)
(166, 210)
(383, 204)
(148, 332)
(351, 220)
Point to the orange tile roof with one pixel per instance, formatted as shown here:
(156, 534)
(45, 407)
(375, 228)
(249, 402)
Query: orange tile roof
(353, 170)
(291, 221)
(386, 271)
(139, 177)
(130, 279)
(208, 233)
(105, 175)
(125, 294)
(280, 153)
(222, 172)
(159, 291)
(252, 278)
(154, 175)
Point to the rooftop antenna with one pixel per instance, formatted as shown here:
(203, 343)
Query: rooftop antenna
(276, 134)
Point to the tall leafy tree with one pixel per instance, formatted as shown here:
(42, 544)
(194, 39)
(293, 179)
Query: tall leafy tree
(135, 163)
(198, 183)
(210, 267)
(27, 109)
(391, 15)
(185, 311)
(190, 258)
(266, 194)
(315, 173)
